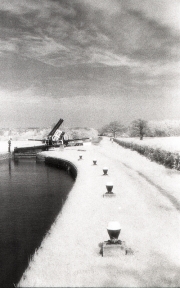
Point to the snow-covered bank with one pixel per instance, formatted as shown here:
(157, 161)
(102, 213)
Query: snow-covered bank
(153, 151)
(150, 221)
(171, 144)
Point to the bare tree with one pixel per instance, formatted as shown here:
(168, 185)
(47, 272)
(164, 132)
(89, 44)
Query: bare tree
(113, 128)
(139, 128)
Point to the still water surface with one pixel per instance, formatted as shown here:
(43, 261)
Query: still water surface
(31, 196)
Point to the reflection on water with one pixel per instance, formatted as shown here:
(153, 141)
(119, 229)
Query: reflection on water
(31, 196)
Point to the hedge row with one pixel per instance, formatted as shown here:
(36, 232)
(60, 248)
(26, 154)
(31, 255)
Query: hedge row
(168, 159)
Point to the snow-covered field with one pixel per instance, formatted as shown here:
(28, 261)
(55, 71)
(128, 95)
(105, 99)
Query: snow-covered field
(147, 206)
(171, 144)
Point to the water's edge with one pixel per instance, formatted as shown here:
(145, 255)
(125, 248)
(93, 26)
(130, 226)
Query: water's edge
(5, 155)
(63, 164)
(60, 163)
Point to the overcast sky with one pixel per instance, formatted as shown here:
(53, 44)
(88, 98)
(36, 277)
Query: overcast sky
(88, 61)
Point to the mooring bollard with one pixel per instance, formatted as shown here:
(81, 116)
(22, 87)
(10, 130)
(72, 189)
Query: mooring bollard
(109, 193)
(105, 170)
(80, 157)
(114, 246)
(94, 161)
(109, 186)
(114, 230)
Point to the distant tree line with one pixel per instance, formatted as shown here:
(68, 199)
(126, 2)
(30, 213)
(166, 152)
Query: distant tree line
(41, 133)
(142, 128)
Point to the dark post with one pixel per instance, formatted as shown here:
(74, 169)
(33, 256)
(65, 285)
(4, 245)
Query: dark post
(9, 145)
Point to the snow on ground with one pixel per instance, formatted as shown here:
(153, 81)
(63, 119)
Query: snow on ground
(147, 205)
(171, 144)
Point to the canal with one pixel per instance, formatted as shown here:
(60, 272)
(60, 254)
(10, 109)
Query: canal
(31, 197)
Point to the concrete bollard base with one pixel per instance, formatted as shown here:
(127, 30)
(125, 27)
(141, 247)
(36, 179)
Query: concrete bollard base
(109, 194)
(115, 249)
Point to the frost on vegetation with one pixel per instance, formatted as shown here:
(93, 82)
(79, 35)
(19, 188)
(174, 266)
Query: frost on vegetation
(23, 133)
(41, 133)
(75, 133)
(164, 128)
(170, 159)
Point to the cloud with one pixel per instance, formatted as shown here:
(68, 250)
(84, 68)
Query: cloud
(27, 96)
(111, 59)
(55, 54)
(7, 46)
(135, 34)
(110, 7)
(164, 12)
(39, 47)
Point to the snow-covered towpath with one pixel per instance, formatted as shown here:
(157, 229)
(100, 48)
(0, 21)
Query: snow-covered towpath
(147, 205)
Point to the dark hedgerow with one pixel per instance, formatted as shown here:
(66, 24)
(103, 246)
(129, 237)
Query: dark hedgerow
(168, 159)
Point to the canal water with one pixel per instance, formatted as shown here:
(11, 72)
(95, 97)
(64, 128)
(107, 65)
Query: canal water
(31, 197)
